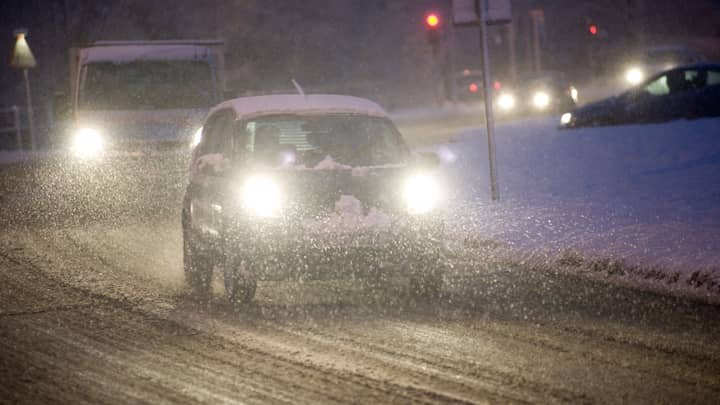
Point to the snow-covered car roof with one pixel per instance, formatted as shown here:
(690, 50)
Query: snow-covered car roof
(301, 104)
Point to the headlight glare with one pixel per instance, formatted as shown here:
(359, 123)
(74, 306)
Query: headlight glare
(197, 137)
(421, 193)
(565, 118)
(506, 101)
(261, 196)
(541, 99)
(634, 76)
(574, 94)
(87, 143)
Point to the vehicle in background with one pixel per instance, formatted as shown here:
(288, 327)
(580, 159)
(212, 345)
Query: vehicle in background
(547, 92)
(649, 61)
(469, 86)
(135, 96)
(686, 92)
(314, 184)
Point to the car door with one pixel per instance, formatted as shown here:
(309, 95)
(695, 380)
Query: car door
(208, 171)
(707, 102)
(666, 97)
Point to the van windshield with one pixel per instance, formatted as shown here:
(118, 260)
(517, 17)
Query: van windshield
(143, 85)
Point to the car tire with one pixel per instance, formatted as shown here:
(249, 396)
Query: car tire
(240, 283)
(198, 268)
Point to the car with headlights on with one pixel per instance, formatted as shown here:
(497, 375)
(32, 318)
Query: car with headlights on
(685, 92)
(547, 92)
(309, 186)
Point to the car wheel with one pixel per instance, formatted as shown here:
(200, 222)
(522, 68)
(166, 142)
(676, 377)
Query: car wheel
(198, 268)
(240, 283)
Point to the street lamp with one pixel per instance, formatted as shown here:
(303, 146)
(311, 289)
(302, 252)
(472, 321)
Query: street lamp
(22, 58)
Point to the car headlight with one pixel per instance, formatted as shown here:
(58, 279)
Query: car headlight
(421, 193)
(261, 196)
(197, 137)
(87, 142)
(565, 118)
(541, 99)
(506, 101)
(634, 76)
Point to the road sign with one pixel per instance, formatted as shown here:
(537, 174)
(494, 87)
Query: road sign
(469, 12)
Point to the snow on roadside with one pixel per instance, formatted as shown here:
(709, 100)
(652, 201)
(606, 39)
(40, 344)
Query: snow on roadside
(639, 202)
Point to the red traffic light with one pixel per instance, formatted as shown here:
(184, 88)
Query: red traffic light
(593, 29)
(432, 20)
(473, 88)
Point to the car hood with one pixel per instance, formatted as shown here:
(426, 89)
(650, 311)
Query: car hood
(598, 107)
(316, 193)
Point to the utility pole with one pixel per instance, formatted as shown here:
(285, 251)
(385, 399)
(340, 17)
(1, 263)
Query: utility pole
(487, 90)
(485, 12)
(537, 16)
(511, 51)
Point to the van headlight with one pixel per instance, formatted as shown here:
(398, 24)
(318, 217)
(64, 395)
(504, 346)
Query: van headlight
(541, 99)
(506, 101)
(261, 196)
(421, 193)
(87, 143)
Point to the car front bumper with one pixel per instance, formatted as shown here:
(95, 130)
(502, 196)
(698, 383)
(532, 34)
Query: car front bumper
(268, 247)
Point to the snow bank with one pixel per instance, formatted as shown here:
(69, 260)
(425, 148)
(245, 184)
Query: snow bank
(646, 195)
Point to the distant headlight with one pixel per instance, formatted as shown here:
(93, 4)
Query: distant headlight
(573, 94)
(87, 143)
(197, 137)
(261, 196)
(421, 193)
(634, 76)
(565, 118)
(541, 100)
(506, 101)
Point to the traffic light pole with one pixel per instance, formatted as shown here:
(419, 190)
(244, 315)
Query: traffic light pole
(487, 86)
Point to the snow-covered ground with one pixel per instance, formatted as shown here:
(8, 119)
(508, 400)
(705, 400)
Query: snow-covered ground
(640, 203)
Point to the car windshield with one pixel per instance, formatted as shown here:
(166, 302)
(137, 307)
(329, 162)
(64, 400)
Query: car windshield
(354, 140)
(147, 85)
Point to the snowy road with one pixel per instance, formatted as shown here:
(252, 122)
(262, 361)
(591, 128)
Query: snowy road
(93, 309)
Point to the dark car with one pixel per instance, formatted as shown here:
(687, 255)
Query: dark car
(311, 186)
(685, 92)
(548, 92)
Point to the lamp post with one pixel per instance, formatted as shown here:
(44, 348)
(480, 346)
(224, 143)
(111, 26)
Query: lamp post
(23, 58)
